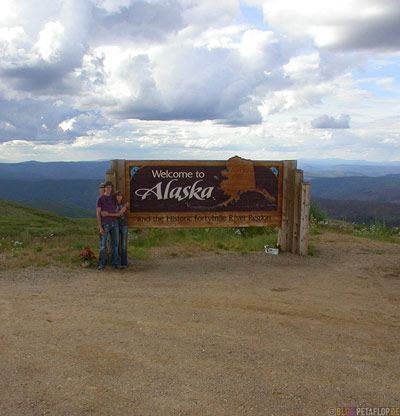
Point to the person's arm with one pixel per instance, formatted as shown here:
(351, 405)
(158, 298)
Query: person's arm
(109, 214)
(123, 209)
(98, 216)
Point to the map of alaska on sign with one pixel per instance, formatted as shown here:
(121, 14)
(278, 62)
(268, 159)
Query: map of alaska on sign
(240, 178)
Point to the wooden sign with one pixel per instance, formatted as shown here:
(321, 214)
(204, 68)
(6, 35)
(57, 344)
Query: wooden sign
(233, 193)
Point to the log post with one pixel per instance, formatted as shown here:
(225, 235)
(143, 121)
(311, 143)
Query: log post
(110, 177)
(304, 219)
(286, 229)
(116, 175)
(121, 176)
(101, 189)
(111, 174)
(296, 202)
(293, 233)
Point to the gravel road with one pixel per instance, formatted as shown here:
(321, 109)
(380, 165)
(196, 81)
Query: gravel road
(209, 334)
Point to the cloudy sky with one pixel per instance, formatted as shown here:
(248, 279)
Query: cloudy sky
(199, 79)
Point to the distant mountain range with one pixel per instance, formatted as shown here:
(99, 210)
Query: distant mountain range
(65, 188)
(361, 212)
(358, 188)
(78, 195)
(70, 188)
(312, 171)
(36, 171)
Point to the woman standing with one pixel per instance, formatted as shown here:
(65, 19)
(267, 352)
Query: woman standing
(121, 208)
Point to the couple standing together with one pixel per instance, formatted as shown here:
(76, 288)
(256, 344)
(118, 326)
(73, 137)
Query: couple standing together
(111, 219)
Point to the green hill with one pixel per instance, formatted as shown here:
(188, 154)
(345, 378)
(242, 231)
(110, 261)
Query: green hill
(61, 208)
(21, 222)
(31, 237)
(36, 171)
(11, 210)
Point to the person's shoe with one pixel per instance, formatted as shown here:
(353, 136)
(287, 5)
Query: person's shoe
(119, 267)
(100, 268)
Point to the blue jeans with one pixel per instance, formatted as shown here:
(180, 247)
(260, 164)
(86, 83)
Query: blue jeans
(123, 233)
(113, 230)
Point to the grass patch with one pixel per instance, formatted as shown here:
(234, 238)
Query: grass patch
(30, 237)
(35, 238)
(377, 231)
(207, 239)
(312, 250)
(138, 253)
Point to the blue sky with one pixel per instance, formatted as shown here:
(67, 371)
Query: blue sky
(185, 79)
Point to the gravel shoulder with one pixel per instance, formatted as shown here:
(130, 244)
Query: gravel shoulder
(218, 334)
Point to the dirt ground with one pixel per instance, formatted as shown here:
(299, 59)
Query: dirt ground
(209, 334)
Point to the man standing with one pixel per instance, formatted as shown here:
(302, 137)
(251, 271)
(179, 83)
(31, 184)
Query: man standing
(108, 225)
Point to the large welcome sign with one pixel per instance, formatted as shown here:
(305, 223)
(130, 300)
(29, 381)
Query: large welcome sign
(233, 193)
(237, 192)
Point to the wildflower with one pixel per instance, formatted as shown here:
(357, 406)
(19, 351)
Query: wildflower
(87, 255)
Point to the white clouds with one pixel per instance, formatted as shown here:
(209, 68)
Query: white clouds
(255, 43)
(339, 24)
(50, 39)
(11, 41)
(186, 82)
(301, 67)
(328, 122)
(67, 124)
(143, 22)
(208, 13)
(8, 10)
(180, 76)
(112, 6)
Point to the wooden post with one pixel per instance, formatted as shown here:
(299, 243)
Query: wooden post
(286, 229)
(293, 233)
(296, 202)
(120, 175)
(111, 177)
(304, 219)
(116, 175)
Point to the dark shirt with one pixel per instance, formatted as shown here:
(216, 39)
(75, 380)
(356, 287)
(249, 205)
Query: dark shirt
(107, 204)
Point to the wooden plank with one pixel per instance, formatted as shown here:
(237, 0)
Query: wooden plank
(286, 227)
(296, 200)
(126, 189)
(203, 220)
(120, 175)
(111, 177)
(304, 218)
(113, 165)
